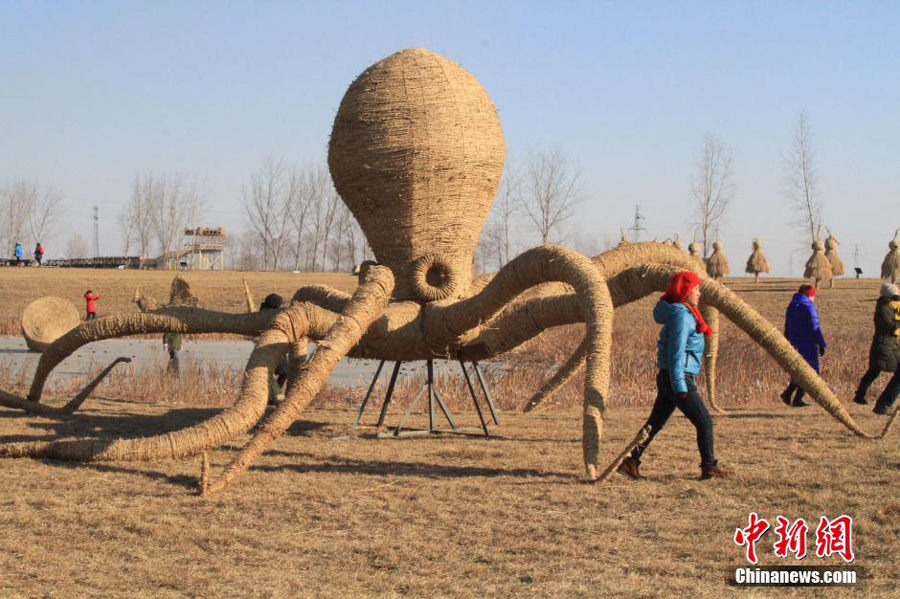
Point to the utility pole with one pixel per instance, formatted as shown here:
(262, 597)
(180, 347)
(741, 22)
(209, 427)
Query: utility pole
(95, 247)
(637, 225)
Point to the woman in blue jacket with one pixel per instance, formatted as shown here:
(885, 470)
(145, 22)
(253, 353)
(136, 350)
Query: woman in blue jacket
(801, 328)
(679, 356)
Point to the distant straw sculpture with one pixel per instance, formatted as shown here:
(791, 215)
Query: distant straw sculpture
(831, 252)
(179, 295)
(676, 241)
(695, 250)
(623, 240)
(416, 152)
(818, 268)
(757, 262)
(890, 267)
(717, 264)
(47, 319)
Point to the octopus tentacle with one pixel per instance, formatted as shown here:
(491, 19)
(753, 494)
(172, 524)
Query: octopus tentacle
(13, 401)
(175, 319)
(367, 303)
(219, 429)
(448, 323)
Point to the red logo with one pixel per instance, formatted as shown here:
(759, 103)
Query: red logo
(748, 536)
(832, 537)
(835, 537)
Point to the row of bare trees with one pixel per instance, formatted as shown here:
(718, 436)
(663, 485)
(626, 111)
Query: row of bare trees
(296, 221)
(713, 187)
(159, 209)
(29, 213)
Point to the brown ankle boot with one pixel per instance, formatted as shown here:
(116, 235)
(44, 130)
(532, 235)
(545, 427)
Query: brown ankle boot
(630, 467)
(717, 470)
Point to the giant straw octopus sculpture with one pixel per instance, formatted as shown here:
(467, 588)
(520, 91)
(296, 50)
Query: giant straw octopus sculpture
(416, 152)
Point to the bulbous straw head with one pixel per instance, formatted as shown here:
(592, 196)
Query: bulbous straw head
(818, 246)
(717, 245)
(417, 153)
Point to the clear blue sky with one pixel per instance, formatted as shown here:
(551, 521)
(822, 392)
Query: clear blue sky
(93, 93)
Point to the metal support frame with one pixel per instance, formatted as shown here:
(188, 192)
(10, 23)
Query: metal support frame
(434, 397)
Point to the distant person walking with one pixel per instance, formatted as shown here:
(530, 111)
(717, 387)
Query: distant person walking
(884, 354)
(679, 356)
(38, 253)
(18, 254)
(172, 343)
(801, 327)
(91, 304)
(277, 382)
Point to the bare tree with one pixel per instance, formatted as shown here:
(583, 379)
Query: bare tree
(801, 182)
(76, 247)
(136, 220)
(712, 188)
(177, 206)
(550, 192)
(43, 213)
(267, 203)
(311, 184)
(503, 213)
(25, 205)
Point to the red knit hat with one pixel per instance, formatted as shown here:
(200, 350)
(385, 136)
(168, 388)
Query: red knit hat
(808, 290)
(680, 286)
(677, 291)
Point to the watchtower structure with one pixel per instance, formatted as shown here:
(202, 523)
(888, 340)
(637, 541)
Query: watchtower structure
(202, 248)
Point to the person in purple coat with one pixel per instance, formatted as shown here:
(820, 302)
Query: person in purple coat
(801, 328)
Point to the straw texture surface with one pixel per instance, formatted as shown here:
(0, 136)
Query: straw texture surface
(818, 267)
(417, 152)
(47, 319)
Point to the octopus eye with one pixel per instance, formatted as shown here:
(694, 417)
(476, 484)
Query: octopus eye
(433, 277)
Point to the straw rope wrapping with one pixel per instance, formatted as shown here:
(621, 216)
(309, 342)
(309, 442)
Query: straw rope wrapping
(45, 320)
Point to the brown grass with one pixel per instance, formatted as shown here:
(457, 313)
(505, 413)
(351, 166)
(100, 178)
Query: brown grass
(457, 516)
(221, 290)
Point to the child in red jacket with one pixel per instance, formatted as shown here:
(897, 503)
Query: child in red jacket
(91, 300)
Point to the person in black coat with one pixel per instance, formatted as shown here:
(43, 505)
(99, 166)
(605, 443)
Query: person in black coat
(884, 354)
(277, 383)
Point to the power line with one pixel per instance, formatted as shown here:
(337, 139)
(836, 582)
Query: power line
(95, 248)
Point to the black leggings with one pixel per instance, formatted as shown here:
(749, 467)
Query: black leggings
(891, 391)
(691, 406)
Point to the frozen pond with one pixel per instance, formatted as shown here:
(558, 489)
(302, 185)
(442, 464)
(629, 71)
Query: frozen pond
(147, 354)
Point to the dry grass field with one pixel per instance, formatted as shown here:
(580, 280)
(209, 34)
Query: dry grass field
(219, 290)
(448, 515)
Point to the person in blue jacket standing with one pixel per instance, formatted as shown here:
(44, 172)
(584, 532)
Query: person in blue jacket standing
(18, 254)
(679, 357)
(801, 328)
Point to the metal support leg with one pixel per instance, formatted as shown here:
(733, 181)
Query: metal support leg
(430, 383)
(388, 394)
(474, 398)
(487, 394)
(365, 401)
(409, 410)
